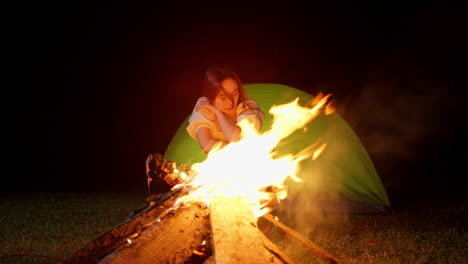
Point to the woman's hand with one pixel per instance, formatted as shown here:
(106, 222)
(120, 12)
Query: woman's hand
(229, 128)
(208, 107)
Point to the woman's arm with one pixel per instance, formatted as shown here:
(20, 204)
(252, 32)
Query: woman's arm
(230, 130)
(206, 140)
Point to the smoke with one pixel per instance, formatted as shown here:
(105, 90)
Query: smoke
(391, 121)
(407, 117)
(402, 114)
(412, 95)
(307, 209)
(394, 115)
(407, 109)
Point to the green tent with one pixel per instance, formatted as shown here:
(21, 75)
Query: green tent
(344, 172)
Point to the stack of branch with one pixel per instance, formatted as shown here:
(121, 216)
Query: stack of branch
(224, 233)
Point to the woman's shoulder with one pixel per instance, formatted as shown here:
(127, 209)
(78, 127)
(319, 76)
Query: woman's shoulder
(201, 114)
(249, 100)
(249, 106)
(251, 103)
(202, 100)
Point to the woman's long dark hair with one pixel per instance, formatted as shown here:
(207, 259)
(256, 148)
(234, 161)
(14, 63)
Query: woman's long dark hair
(213, 84)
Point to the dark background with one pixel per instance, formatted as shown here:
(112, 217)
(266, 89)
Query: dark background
(90, 90)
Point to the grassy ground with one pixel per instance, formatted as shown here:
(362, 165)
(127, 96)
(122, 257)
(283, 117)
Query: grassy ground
(419, 233)
(47, 227)
(35, 227)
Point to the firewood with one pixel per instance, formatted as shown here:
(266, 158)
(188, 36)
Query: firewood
(171, 241)
(303, 241)
(163, 174)
(236, 238)
(160, 233)
(114, 238)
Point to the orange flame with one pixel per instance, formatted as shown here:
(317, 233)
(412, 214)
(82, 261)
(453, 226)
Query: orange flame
(199, 253)
(250, 167)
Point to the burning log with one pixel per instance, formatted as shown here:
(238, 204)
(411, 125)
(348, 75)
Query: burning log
(175, 228)
(162, 174)
(163, 234)
(169, 241)
(166, 231)
(236, 238)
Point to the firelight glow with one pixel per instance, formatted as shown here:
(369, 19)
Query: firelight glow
(249, 167)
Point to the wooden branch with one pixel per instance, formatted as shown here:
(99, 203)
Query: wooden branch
(171, 241)
(118, 236)
(303, 241)
(236, 238)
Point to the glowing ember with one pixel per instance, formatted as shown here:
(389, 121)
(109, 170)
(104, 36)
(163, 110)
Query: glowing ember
(249, 167)
(199, 252)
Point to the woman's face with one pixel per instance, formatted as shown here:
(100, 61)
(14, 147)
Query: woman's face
(226, 100)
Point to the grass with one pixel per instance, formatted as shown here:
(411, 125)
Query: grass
(46, 227)
(435, 235)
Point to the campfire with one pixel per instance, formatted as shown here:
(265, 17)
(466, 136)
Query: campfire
(211, 213)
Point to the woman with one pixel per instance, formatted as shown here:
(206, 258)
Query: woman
(215, 116)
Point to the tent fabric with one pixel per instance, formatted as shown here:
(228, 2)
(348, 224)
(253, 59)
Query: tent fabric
(344, 171)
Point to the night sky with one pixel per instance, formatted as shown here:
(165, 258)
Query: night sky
(90, 90)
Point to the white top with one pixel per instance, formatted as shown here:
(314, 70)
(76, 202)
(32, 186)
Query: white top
(203, 118)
